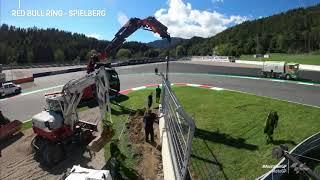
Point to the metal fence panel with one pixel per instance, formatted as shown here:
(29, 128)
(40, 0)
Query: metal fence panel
(180, 129)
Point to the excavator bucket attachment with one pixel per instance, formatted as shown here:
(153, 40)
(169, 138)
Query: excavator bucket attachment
(9, 129)
(101, 138)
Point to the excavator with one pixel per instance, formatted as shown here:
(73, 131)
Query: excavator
(150, 24)
(59, 125)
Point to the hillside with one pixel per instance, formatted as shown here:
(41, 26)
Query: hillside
(34, 45)
(294, 31)
(162, 44)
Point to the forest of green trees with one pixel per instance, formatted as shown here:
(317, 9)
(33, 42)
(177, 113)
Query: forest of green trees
(33, 45)
(295, 31)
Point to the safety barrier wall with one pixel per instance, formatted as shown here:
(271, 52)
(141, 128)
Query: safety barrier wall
(180, 130)
(50, 73)
(44, 65)
(40, 65)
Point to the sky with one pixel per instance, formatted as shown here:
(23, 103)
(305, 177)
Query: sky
(184, 18)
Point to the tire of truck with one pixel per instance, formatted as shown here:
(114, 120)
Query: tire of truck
(52, 154)
(288, 77)
(17, 91)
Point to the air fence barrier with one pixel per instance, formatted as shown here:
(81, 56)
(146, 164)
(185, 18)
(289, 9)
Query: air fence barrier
(180, 130)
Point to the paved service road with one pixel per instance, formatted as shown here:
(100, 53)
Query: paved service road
(31, 101)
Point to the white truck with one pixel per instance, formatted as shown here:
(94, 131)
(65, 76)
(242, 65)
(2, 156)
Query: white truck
(9, 88)
(280, 69)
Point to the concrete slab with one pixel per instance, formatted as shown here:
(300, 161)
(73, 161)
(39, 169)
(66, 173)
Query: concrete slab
(167, 163)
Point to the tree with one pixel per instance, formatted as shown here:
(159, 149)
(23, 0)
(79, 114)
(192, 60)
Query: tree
(123, 54)
(180, 51)
(30, 56)
(222, 49)
(59, 55)
(83, 54)
(151, 53)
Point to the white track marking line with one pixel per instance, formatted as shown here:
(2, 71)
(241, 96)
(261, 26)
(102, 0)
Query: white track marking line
(139, 88)
(277, 80)
(32, 92)
(217, 89)
(274, 98)
(194, 85)
(305, 83)
(40, 90)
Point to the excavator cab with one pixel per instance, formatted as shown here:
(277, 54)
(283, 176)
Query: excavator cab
(114, 81)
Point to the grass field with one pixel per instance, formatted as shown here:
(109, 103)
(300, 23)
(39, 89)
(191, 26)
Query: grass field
(229, 142)
(298, 58)
(26, 125)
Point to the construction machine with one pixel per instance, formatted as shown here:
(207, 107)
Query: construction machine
(150, 24)
(59, 125)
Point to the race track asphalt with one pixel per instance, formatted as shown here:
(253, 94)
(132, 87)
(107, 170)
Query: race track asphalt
(31, 101)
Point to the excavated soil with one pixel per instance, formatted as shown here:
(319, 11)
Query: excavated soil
(148, 155)
(18, 160)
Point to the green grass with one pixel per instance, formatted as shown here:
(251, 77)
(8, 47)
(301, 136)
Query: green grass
(229, 140)
(311, 58)
(26, 125)
(120, 114)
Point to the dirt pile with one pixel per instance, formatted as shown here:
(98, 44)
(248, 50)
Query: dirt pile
(148, 154)
(135, 126)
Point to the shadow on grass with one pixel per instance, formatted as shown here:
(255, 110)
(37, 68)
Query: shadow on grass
(119, 170)
(123, 110)
(207, 165)
(279, 142)
(120, 98)
(225, 139)
(245, 106)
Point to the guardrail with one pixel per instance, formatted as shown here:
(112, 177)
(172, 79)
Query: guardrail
(180, 129)
(39, 65)
(118, 63)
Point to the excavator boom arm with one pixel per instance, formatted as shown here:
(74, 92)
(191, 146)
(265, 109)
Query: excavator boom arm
(150, 23)
(72, 93)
